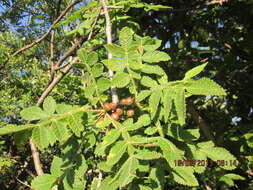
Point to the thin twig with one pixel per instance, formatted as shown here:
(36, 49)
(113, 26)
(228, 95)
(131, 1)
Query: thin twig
(48, 32)
(94, 24)
(36, 158)
(52, 55)
(70, 52)
(115, 98)
(24, 183)
(216, 2)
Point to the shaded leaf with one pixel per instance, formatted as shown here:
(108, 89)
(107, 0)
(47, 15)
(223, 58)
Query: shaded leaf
(109, 139)
(185, 176)
(116, 152)
(127, 172)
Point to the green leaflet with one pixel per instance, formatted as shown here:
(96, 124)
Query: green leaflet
(147, 155)
(220, 154)
(142, 95)
(87, 59)
(63, 108)
(115, 64)
(152, 69)
(125, 36)
(60, 130)
(14, 128)
(92, 58)
(167, 103)
(157, 174)
(154, 100)
(204, 86)
(49, 105)
(228, 178)
(75, 123)
(120, 80)
(148, 82)
(73, 178)
(44, 182)
(195, 71)
(234, 176)
(207, 144)
(185, 176)
(43, 136)
(116, 50)
(135, 64)
(144, 187)
(103, 84)
(179, 101)
(97, 70)
(150, 130)
(170, 152)
(106, 184)
(184, 135)
(90, 90)
(144, 120)
(110, 138)
(56, 167)
(33, 113)
(151, 44)
(127, 172)
(138, 139)
(200, 156)
(116, 152)
(155, 56)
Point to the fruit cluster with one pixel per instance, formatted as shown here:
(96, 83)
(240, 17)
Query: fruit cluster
(116, 112)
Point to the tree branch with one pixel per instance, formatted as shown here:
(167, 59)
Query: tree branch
(54, 82)
(115, 98)
(71, 51)
(48, 32)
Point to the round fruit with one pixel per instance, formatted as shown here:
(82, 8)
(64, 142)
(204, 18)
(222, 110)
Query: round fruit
(107, 106)
(115, 116)
(130, 113)
(113, 106)
(119, 111)
(129, 101)
(123, 101)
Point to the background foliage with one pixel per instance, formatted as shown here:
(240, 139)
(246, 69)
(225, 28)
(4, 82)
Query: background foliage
(169, 55)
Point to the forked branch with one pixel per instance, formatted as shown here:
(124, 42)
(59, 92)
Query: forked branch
(48, 32)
